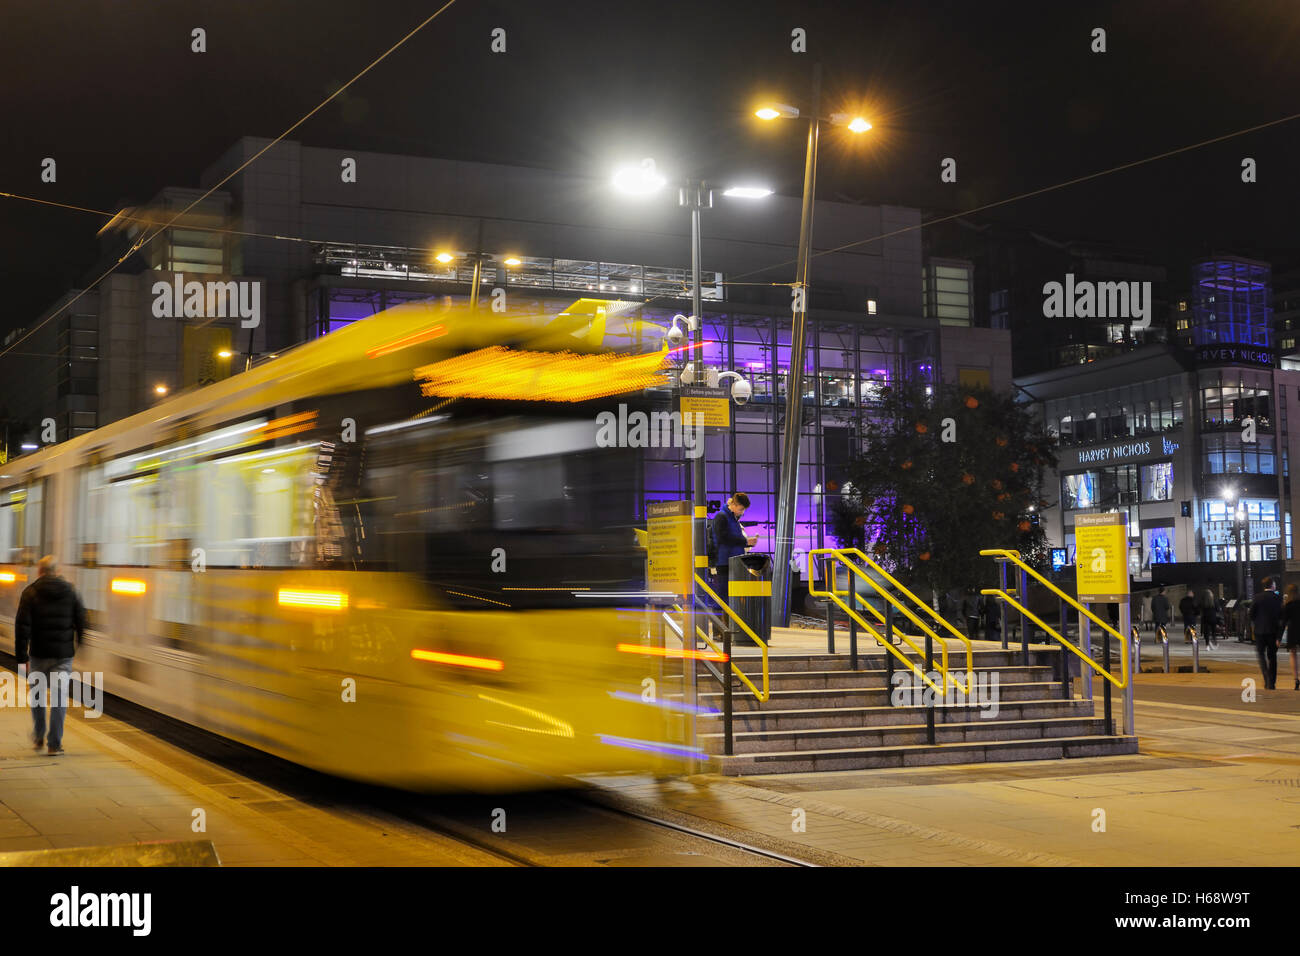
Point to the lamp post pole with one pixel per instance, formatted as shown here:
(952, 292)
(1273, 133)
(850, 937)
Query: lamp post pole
(696, 196)
(788, 490)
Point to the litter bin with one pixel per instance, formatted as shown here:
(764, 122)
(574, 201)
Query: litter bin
(749, 593)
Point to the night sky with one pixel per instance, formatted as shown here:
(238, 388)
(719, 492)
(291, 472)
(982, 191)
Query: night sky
(1010, 90)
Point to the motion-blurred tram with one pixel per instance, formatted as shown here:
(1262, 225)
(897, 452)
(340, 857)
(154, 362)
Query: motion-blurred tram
(396, 553)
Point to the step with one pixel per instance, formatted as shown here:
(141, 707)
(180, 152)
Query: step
(839, 738)
(840, 717)
(876, 677)
(743, 701)
(859, 758)
(752, 663)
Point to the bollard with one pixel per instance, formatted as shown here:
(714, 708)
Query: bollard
(1166, 646)
(1196, 655)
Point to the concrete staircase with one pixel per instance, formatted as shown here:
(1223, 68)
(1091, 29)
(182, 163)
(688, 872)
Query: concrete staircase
(823, 716)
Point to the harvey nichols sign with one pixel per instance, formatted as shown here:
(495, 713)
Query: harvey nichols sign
(1136, 450)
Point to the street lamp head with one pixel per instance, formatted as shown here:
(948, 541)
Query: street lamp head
(747, 192)
(160, 389)
(640, 180)
(444, 257)
(513, 261)
(777, 111)
(1229, 493)
(225, 354)
(856, 124)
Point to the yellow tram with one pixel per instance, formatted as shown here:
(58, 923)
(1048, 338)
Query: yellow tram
(395, 553)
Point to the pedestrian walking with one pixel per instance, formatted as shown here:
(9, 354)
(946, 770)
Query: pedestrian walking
(49, 626)
(992, 615)
(1291, 629)
(1209, 612)
(1187, 608)
(970, 613)
(1161, 613)
(1265, 618)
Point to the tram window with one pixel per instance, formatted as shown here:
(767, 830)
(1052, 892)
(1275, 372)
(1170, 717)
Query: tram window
(254, 510)
(12, 504)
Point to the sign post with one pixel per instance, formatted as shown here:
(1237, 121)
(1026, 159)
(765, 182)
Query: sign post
(671, 559)
(1101, 563)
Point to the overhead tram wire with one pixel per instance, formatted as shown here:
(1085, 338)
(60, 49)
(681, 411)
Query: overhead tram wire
(653, 299)
(1003, 202)
(145, 240)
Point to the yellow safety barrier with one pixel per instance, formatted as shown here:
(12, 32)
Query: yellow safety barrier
(763, 696)
(934, 615)
(1014, 558)
(834, 595)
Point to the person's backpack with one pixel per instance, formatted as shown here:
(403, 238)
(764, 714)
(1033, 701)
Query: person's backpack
(711, 545)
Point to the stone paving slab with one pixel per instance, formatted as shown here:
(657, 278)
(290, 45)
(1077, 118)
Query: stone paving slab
(116, 785)
(1216, 783)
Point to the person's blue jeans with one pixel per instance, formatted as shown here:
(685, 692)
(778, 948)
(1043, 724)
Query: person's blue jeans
(53, 688)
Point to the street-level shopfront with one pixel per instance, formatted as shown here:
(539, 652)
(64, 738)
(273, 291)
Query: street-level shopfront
(1169, 443)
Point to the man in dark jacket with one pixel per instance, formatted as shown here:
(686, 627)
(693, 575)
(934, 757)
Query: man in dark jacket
(1161, 610)
(730, 539)
(1209, 609)
(1187, 608)
(50, 623)
(1265, 613)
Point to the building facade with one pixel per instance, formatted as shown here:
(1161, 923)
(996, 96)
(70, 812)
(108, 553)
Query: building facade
(330, 236)
(1192, 443)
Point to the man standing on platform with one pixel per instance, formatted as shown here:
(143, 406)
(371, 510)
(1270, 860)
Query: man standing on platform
(1265, 615)
(50, 624)
(730, 540)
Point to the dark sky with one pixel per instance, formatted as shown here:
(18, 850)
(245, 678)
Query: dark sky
(1010, 89)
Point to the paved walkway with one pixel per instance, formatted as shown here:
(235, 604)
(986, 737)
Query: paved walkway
(118, 785)
(1217, 783)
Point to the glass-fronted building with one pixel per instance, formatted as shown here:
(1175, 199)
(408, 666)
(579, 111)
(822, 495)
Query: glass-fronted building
(1192, 444)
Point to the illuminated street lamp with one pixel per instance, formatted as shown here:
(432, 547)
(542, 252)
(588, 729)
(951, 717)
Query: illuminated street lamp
(788, 489)
(478, 258)
(643, 180)
(160, 389)
(225, 354)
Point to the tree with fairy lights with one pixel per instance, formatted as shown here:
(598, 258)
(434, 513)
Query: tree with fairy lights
(941, 476)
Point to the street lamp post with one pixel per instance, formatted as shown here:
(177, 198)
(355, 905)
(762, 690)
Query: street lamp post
(787, 494)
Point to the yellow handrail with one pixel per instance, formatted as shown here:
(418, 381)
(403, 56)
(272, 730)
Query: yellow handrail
(970, 656)
(1014, 558)
(834, 596)
(745, 627)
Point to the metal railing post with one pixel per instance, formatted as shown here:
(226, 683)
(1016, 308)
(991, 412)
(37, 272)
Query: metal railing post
(729, 747)
(1165, 642)
(889, 656)
(1002, 605)
(1024, 621)
(929, 711)
(853, 623)
(1085, 645)
(830, 607)
(1066, 690)
(1196, 653)
(1105, 684)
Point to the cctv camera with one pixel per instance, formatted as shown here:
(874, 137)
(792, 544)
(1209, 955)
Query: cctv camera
(675, 336)
(741, 391)
(687, 375)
